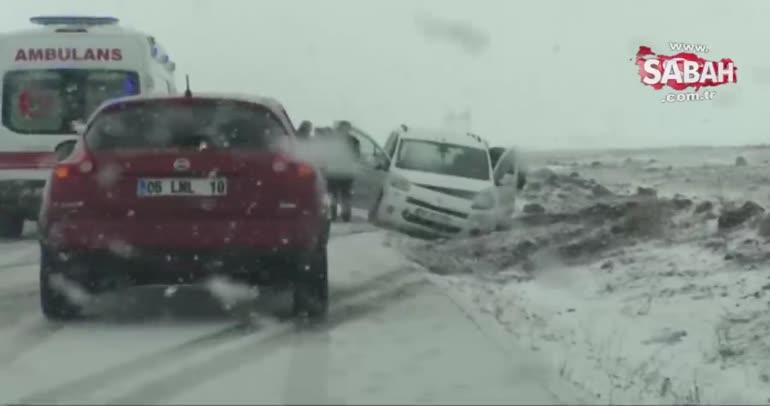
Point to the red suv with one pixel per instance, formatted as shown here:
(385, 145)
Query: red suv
(172, 190)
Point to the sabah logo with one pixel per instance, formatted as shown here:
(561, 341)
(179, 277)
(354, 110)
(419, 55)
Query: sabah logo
(37, 103)
(684, 71)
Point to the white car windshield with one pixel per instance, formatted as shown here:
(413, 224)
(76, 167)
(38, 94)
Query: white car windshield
(444, 159)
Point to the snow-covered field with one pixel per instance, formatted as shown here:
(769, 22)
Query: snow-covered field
(652, 295)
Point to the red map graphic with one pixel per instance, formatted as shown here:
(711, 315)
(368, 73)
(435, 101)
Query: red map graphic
(35, 104)
(646, 53)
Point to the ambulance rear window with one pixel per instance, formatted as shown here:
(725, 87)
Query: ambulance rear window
(47, 101)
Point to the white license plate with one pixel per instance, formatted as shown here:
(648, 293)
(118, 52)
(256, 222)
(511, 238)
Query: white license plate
(429, 215)
(181, 187)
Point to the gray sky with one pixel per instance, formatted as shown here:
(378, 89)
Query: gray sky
(552, 74)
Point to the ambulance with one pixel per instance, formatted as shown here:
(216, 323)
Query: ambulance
(53, 77)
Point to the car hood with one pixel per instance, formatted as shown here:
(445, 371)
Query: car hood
(444, 181)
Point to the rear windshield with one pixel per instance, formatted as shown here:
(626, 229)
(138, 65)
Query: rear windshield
(48, 101)
(196, 124)
(443, 159)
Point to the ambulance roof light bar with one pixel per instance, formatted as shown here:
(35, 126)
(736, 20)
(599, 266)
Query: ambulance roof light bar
(73, 20)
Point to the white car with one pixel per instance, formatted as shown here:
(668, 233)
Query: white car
(445, 184)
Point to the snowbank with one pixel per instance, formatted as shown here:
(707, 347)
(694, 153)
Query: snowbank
(638, 298)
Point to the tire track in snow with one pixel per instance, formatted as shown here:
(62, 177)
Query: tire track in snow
(96, 381)
(10, 298)
(308, 378)
(31, 337)
(16, 304)
(22, 325)
(19, 317)
(19, 264)
(18, 253)
(18, 281)
(201, 372)
(17, 301)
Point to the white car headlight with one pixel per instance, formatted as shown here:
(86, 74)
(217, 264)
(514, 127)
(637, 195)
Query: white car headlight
(484, 200)
(400, 183)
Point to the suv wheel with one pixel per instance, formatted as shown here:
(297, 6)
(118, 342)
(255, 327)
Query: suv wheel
(54, 304)
(11, 225)
(311, 287)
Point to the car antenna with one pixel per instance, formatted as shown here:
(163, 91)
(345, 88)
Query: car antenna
(187, 92)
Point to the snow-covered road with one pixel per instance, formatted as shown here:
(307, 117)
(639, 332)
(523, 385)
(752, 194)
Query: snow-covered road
(393, 337)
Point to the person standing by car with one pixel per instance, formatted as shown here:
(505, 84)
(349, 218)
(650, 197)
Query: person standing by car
(340, 184)
(305, 130)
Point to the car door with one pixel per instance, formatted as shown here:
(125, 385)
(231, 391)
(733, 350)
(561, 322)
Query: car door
(369, 180)
(495, 153)
(506, 175)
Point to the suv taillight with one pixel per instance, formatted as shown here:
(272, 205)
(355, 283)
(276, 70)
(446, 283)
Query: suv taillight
(304, 170)
(282, 163)
(79, 163)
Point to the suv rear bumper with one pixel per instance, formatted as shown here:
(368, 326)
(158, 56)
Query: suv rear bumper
(129, 238)
(103, 269)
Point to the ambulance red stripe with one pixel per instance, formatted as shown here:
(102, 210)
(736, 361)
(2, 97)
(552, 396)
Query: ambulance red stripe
(27, 160)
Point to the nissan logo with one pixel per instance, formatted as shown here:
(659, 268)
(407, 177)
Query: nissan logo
(182, 164)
